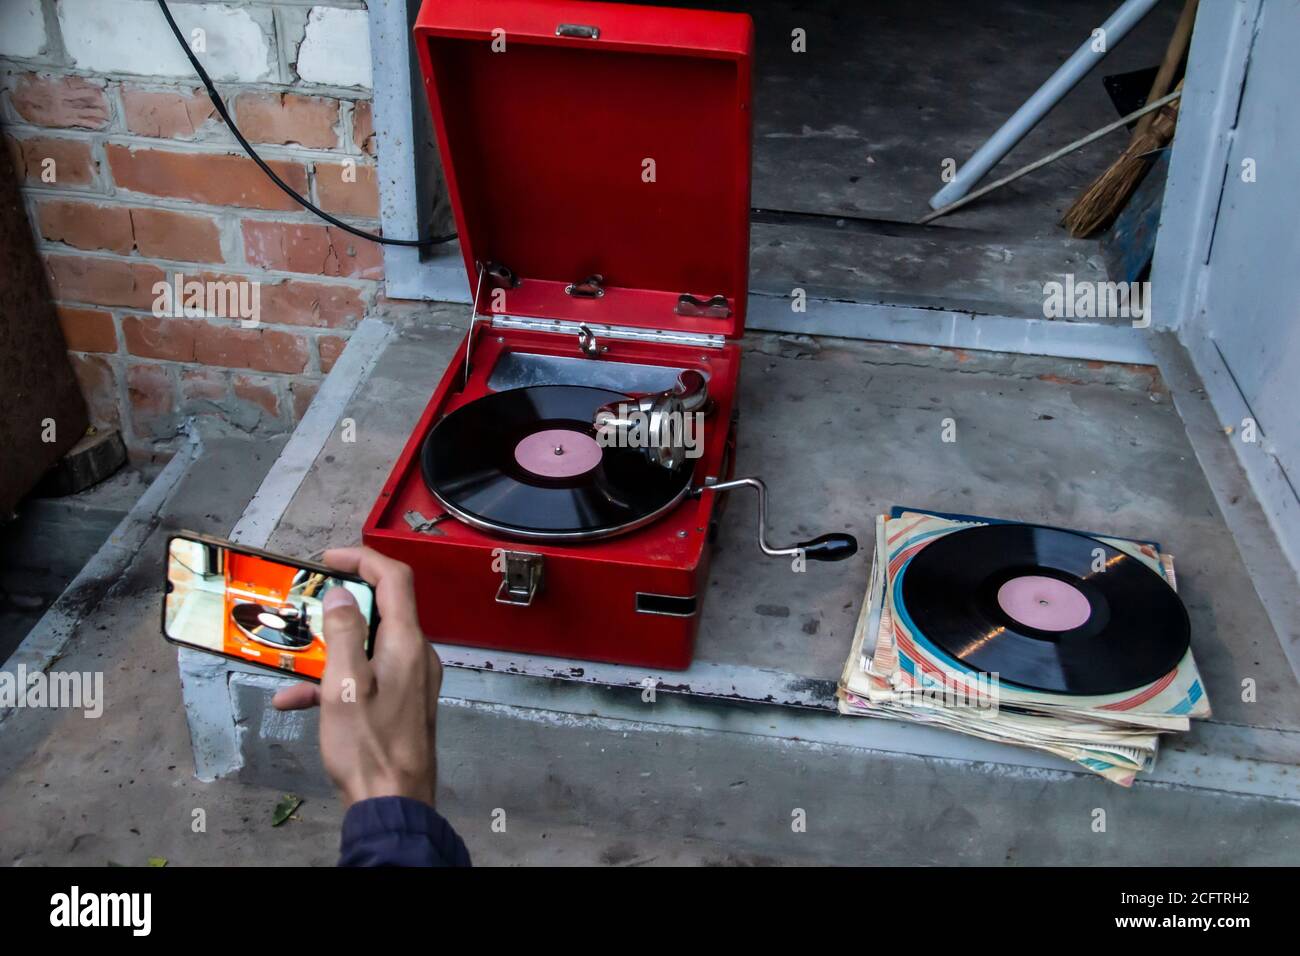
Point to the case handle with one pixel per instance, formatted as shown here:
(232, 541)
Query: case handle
(578, 31)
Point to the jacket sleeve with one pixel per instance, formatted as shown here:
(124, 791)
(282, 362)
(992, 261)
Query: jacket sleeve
(398, 831)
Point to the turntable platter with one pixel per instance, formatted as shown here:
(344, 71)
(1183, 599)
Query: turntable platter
(526, 463)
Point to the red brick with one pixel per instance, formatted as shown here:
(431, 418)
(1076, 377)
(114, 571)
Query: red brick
(215, 178)
(152, 397)
(235, 298)
(318, 304)
(358, 196)
(263, 350)
(330, 348)
(302, 392)
(87, 330)
(203, 385)
(239, 299)
(155, 232)
(222, 343)
(363, 127)
(98, 380)
(103, 281)
(318, 250)
(176, 235)
(86, 225)
(170, 339)
(73, 164)
(60, 101)
(288, 118)
(168, 115)
(260, 391)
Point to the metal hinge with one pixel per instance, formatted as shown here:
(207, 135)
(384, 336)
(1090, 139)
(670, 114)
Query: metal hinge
(592, 287)
(715, 307)
(521, 578)
(700, 340)
(501, 277)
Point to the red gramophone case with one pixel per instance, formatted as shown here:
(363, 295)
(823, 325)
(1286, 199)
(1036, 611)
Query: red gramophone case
(598, 161)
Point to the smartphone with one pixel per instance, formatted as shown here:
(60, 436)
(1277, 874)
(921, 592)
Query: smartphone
(252, 606)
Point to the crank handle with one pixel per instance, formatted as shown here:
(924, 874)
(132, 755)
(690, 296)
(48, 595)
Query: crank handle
(835, 546)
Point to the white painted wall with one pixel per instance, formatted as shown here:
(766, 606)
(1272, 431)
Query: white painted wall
(1252, 302)
(131, 36)
(22, 28)
(336, 48)
(1227, 266)
(1250, 309)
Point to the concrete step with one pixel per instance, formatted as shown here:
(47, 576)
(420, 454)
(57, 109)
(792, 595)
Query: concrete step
(758, 783)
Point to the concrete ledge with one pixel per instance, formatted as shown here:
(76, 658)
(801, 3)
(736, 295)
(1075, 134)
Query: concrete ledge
(45, 642)
(689, 769)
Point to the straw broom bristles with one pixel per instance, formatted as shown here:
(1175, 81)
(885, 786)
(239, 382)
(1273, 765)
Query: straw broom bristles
(1101, 202)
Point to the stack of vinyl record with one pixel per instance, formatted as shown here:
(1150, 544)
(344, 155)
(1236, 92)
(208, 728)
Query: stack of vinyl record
(1069, 643)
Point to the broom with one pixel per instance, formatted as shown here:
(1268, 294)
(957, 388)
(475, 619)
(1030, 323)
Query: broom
(1102, 201)
(1104, 198)
(1177, 49)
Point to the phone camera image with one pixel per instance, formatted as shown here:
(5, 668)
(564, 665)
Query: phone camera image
(250, 607)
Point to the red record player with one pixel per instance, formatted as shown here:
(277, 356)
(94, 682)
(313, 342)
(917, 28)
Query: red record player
(559, 492)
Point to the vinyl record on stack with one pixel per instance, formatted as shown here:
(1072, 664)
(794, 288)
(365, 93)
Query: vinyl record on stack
(1045, 609)
(526, 463)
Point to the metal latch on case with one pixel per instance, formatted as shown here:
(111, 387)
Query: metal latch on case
(592, 287)
(521, 577)
(715, 307)
(419, 523)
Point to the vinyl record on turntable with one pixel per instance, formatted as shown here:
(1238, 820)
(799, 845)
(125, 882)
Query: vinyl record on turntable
(525, 462)
(281, 628)
(1025, 602)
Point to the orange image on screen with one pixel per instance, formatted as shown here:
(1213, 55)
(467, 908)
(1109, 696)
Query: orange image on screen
(251, 608)
(273, 614)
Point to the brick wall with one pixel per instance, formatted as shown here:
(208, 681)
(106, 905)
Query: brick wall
(130, 178)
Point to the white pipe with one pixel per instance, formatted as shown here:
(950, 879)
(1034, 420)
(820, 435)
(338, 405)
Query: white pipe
(1045, 97)
(1050, 157)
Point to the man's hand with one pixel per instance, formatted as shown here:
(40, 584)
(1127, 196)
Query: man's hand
(377, 716)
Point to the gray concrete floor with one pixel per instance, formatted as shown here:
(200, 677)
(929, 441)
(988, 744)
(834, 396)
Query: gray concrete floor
(859, 125)
(844, 430)
(886, 91)
(840, 429)
(32, 573)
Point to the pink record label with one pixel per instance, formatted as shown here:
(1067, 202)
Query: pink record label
(1044, 603)
(558, 453)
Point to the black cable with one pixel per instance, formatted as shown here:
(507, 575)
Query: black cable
(252, 153)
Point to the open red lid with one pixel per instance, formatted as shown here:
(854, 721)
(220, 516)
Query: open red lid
(597, 139)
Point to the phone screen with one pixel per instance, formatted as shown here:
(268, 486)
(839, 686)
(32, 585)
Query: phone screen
(252, 606)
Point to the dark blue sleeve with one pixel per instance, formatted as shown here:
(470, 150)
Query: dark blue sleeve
(398, 831)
